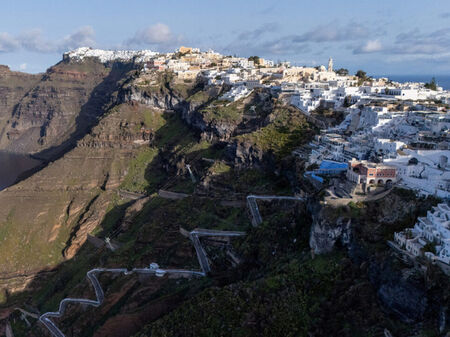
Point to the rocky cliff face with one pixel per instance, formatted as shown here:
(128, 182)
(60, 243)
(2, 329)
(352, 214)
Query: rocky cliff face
(158, 99)
(13, 87)
(49, 113)
(88, 113)
(67, 199)
(246, 154)
(361, 228)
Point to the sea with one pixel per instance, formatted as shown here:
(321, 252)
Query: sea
(12, 165)
(442, 80)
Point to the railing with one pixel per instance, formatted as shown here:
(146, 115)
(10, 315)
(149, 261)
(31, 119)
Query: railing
(153, 269)
(253, 206)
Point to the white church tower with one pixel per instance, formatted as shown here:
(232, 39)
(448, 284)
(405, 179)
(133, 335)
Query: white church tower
(330, 65)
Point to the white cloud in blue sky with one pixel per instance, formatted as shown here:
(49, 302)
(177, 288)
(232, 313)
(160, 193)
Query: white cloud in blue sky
(33, 40)
(380, 37)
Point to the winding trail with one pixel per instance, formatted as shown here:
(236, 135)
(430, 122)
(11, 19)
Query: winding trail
(201, 253)
(253, 206)
(153, 269)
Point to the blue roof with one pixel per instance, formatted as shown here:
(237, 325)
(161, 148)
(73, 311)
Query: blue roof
(317, 178)
(332, 165)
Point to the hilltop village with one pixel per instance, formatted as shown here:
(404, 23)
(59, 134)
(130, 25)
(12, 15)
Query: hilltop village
(388, 133)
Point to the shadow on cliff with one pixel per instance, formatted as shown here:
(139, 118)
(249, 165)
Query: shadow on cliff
(102, 97)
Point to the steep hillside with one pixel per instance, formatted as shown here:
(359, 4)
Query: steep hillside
(46, 114)
(13, 87)
(47, 216)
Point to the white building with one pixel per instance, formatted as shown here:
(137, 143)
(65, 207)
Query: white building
(245, 63)
(236, 93)
(403, 93)
(231, 78)
(252, 83)
(434, 229)
(426, 171)
(388, 147)
(177, 65)
(305, 101)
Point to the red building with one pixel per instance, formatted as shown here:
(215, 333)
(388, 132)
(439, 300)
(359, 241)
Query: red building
(157, 63)
(365, 172)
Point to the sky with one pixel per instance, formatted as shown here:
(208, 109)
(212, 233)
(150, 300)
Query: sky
(380, 37)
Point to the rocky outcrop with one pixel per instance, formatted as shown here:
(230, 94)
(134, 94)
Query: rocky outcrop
(402, 290)
(246, 154)
(218, 130)
(325, 233)
(158, 99)
(398, 292)
(88, 220)
(194, 118)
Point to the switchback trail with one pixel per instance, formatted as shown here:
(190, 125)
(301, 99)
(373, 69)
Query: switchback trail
(153, 269)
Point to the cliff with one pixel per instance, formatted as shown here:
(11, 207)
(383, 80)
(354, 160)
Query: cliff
(46, 114)
(411, 294)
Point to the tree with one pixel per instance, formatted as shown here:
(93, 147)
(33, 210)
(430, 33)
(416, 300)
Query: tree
(255, 59)
(348, 101)
(432, 85)
(429, 247)
(361, 74)
(342, 72)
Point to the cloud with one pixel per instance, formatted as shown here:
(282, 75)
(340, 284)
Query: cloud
(263, 41)
(285, 46)
(33, 40)
(23, 66)
(254, 41)
(434, 44)
(371, 46)
(156, 35)
(8, 43)
(267, 10)
(257, 33)
(333, 32)
(416, 42)
(83, 37)
(445, 15)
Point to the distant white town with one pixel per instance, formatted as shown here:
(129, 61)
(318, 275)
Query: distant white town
(390, 134)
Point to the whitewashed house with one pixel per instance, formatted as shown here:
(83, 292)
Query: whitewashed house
(433, 229)
(388, 147)
(236, 93)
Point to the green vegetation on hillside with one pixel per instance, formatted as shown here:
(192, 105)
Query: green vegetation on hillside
(287, 130)
(223, 111)
(135, 180)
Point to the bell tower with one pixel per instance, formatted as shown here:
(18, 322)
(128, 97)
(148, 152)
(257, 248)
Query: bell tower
(330, 64)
